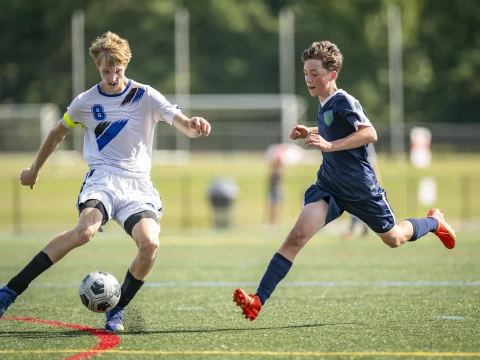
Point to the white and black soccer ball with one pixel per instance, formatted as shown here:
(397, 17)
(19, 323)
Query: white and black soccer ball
(100, 291)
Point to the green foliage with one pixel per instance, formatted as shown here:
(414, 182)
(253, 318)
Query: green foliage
(234, 49)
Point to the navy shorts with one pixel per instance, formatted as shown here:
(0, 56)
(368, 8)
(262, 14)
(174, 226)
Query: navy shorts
(375, 211)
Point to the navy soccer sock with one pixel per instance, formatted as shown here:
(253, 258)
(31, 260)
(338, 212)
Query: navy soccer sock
(276, 271)
(38, 265)
(423, 226)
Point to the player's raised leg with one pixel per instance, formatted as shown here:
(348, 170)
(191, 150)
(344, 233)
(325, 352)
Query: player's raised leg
(88, 224)
(311, 219)
(413, 229)
(144, 231)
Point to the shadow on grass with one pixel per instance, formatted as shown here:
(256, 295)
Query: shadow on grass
(43, 334)
(152, 332)
(135, 323)
(78, 333)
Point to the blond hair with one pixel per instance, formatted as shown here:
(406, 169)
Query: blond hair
(112, 48)
(325, 51)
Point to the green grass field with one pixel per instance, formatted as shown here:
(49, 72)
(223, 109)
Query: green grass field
(341, 300)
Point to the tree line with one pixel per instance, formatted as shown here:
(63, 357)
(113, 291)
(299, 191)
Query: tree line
(234, 48)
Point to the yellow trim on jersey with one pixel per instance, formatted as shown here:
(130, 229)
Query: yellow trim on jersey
(68, 120)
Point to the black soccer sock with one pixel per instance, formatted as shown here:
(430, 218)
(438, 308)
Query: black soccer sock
(276, 271)
(130, 288)
(38, 265)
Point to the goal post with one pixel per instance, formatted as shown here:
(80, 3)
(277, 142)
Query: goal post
(291, 107)
(240, 122)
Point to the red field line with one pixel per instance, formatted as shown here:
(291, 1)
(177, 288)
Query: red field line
(107, 341)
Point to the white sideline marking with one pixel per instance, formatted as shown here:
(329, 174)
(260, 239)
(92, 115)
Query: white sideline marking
(449, 317)
(284, 284)
(190, 308)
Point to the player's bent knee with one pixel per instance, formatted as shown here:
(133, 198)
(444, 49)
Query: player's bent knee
(148, 248)
(143, 227)
(84, 234)
(296, 239)
(393, 238)
(392, 241)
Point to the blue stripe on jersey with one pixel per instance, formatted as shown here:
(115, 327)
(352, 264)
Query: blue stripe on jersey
(138, 95)
(133, 96)
(129, 97)
(110, 133)
(101, 128)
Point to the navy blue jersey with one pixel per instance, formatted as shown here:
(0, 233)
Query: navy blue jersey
(346, 173)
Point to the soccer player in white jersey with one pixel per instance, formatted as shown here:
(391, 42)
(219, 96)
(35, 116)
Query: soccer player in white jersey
(118, 116)
(346, 180)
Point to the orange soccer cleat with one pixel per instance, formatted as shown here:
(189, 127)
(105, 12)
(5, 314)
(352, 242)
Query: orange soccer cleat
(444, 231)
(250, 304)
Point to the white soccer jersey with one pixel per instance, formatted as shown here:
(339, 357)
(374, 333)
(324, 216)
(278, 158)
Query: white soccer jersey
(119, 128)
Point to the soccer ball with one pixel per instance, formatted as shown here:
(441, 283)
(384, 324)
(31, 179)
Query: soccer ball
(99, 291)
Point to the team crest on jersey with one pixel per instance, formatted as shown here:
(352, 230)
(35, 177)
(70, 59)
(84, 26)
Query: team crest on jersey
(328, 117)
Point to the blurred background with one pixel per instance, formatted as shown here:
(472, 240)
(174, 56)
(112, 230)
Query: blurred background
(413, 65)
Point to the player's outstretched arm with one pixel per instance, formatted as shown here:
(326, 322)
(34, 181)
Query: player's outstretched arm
(302, 131)
(29, 176)
(194, 127)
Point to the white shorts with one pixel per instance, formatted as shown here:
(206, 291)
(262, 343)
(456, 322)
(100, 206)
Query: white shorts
(123, 194)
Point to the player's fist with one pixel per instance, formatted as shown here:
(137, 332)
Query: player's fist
(299, 132)
(201, 125)
(29, 177)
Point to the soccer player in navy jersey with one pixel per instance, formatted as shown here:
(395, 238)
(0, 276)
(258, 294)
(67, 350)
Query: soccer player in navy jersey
(355, 221)
(346, 180)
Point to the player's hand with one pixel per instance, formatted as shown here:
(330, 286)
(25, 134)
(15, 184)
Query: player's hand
(315, 140)
(299, 132)
(201, 125)
(29, 177)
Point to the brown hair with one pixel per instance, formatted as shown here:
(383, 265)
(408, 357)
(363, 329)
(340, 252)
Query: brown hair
(112, 47)
(325, 51)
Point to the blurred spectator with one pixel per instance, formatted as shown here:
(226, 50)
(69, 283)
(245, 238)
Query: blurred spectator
(278, 156)
(222, 192)
(275, 177)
